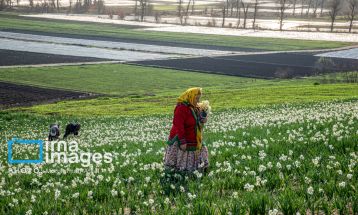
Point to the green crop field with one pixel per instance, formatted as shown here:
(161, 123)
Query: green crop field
(153, 90)
(13, 22)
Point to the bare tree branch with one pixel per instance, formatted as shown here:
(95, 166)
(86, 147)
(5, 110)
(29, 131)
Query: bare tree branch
(352, 4)
(334, 7)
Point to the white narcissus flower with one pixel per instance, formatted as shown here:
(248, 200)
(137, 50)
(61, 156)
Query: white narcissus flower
(278, 165)
(114, 193)
(316, 161)
(342, 184)
(248, 187)
(57, 194)
(167, 201)
(234, 194)
(262, 168)
(151, 201)
(310, 190)
(75, 195)
(349, 176)
(90, 194)
(191, 196)
(205, 106)
(307, 180)
(33, 198)
(273, 212)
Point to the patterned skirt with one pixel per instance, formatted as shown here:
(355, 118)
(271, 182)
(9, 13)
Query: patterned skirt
(178, 159)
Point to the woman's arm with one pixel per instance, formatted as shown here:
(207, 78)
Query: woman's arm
(178, 122)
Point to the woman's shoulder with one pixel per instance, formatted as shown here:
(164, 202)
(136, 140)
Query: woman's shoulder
(182, 107)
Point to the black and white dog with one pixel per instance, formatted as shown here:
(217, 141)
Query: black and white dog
(72, 128)
(54, 133)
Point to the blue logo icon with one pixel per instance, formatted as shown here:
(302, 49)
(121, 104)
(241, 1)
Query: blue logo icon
(13, 141)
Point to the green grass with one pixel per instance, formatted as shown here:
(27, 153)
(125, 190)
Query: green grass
(154, 90)
(290, 135)
(10, 22)
(120, 79)
(220, 98)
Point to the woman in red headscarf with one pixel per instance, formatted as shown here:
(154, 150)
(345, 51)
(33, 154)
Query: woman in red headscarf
(185, 150)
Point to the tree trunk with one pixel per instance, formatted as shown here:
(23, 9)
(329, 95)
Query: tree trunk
(246, 8)
(187, 11)
(136, 9)
(255, 13)
(142, 10)
(315, 8)
(179, 12)
(2, 4)
(352, 5)
(187, 8)
(302, 1)
(350, 26)
(309, 7)
(238, 13)
(322, 3)
(334, 9)
(224, 11)
(232, 7)
(282, 12)
(237, 8)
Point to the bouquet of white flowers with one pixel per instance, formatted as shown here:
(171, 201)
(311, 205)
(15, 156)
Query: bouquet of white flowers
(205, 109)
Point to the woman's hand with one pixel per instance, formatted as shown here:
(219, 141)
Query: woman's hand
(204, 120)
(182, 147)
(203, 117)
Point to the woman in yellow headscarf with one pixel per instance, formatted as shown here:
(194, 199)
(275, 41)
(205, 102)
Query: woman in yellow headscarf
(185, 150)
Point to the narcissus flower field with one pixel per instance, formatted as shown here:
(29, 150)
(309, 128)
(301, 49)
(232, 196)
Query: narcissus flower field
(283, 159)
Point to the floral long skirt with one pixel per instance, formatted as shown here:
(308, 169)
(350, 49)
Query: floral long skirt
(178, 159)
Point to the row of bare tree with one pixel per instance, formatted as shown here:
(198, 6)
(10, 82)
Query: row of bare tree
(240, 9)
(55, 5)
(143, 8)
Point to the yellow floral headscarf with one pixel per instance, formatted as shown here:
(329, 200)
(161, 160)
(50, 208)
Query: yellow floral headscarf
(189, 97)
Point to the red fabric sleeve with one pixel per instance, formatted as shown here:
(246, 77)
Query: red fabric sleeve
(178, 122)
